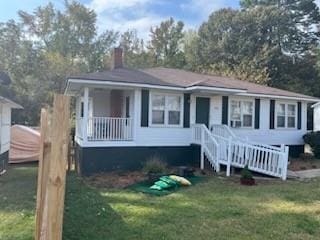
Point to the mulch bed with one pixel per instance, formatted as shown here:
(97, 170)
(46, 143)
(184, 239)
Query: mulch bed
(303, 164)
(116, 179)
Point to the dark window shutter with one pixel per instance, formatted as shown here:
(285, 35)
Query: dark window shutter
(186, 110)
(257, 113)
(225, 102)
(310, 117)
(299, 115)
(272, 108)
(144, 108)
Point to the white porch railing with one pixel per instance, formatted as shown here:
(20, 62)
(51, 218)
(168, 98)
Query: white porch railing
(106, 129)
(233, 151)
(110, 129)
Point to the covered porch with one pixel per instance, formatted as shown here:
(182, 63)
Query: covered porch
(104, 114)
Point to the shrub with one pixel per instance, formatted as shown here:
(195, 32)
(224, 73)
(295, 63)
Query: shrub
(246, 173)
(313, 139)
(155, 165)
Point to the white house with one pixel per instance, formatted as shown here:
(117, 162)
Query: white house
(124, 116)
(5, 123)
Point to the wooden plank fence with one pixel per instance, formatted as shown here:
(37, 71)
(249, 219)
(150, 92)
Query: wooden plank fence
(52, 170)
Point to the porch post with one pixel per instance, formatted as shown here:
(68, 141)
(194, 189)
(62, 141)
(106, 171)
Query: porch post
(85, 114)
(137, 112)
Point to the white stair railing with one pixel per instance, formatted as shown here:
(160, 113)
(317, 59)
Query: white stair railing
(209, 146)
(259, 159)
(236, 152)
(222, 130)
(269, 160)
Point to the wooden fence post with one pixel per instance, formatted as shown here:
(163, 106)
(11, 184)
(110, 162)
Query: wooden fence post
(58, 161)
(42, 168)
(52, 170)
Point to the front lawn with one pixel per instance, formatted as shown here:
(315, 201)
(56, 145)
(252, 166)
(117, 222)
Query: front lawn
(216, 209)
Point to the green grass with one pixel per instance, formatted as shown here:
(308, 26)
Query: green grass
(215, 209)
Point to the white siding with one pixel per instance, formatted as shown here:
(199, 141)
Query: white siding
(275, 136)
(179, 136)
(101, 102)
(5, 123)
(316, 118)
(159, 136)
(215, 108)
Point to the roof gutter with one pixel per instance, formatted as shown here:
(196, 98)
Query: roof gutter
(142, 85)
(239, 92)
(278, 97)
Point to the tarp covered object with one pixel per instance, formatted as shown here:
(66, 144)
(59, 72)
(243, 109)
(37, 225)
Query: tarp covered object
(24, 144)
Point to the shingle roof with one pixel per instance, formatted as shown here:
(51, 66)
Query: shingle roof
(125, 75)
(184, 79)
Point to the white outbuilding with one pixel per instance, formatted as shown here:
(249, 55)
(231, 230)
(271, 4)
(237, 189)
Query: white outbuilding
(5, 124)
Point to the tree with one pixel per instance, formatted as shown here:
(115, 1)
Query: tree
(100, 50)
(235, 43)
(296, 32)
(166, 44)
(70, 32)
(134, 51)
(245, 44)
(294, 68)
(190, 41)
(47, 46)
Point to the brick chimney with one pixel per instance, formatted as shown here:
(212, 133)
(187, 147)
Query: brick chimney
(117, 58)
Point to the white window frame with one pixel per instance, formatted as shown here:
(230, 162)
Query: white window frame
(286, 115)
(166, 111)
(241, 115)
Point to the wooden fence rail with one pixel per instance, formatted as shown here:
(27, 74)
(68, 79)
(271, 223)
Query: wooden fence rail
(52, 170)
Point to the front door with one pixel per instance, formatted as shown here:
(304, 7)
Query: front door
(202, 110)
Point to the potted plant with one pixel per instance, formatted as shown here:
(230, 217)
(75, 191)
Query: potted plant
(154, 168)
(246, 177)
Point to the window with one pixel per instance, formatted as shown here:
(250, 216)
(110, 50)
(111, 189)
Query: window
(281, 115)
(286, 115)
(174, 110)
(241, 113)
(158, 109)
(166, 109)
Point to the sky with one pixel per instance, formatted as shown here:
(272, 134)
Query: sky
(122, 15)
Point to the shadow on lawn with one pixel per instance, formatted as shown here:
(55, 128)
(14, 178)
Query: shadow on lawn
(87, 214)
(18, 188)
(92, 213)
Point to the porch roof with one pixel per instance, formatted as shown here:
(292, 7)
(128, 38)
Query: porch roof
(184, 80)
